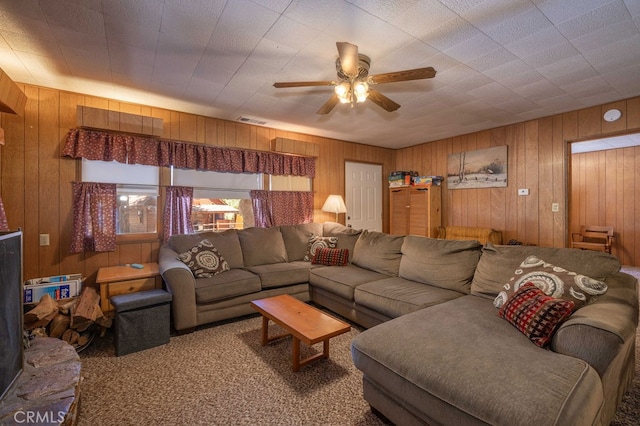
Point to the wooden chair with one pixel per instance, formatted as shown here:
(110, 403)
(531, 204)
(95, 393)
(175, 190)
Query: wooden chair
(592, 237)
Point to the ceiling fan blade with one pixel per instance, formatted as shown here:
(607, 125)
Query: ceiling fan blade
(348, 58)
(328, 106)
(382, 101)
(406, 75)
(302, 84)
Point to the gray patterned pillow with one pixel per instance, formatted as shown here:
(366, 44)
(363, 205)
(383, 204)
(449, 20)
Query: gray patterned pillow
(316, 242)
(204, 260)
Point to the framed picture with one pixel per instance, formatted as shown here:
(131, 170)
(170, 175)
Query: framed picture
(482, 168)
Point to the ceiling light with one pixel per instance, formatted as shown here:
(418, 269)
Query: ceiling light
(361, 90)
(612, 115)
(343, 90)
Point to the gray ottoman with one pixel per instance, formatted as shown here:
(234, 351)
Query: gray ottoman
(142, 320)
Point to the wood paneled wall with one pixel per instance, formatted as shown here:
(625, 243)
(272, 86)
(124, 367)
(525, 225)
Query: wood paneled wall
(35, 181)
(605, 190)
(538, 160)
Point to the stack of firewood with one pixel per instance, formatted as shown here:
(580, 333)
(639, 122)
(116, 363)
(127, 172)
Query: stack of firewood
(72, 320)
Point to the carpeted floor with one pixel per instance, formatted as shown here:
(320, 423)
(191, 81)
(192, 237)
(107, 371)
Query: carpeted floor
(221, 375)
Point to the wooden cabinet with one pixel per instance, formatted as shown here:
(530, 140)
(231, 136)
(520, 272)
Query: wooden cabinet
(115, 280)
(415, 211)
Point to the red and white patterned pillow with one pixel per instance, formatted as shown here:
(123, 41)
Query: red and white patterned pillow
(331, 257)
(535, 314)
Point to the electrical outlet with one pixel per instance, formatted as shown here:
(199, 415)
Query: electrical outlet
(44, 239)
(523, 191)
(555, 207)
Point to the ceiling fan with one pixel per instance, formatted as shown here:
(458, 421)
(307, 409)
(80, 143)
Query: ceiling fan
(354, 82)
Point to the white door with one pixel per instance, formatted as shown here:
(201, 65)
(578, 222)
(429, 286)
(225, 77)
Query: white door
(363, 195)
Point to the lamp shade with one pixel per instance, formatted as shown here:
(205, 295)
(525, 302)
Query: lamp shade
(334, 204)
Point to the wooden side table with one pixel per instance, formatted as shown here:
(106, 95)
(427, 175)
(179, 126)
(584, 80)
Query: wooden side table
(116, 280)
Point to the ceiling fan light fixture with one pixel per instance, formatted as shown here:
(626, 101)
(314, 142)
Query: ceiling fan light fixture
(343, 91)
(361, 91)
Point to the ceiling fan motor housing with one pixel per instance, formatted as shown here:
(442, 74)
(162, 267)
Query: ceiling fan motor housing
(364, 62)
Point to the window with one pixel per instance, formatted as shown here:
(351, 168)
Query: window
(220, 200)
(137, 193)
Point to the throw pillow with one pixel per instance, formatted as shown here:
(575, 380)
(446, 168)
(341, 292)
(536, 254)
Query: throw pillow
(331, 257)
(535, 314)
(204, 260)
(316, 242)
(553, 281)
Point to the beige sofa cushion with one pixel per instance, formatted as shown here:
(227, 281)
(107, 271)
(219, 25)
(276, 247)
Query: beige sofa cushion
(347, 237)
(378, 252)
(448, 264)
(262, 246)
(296, 238)
(226, 242)
(498, 263)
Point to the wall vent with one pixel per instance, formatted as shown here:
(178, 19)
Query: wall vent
(251, 120)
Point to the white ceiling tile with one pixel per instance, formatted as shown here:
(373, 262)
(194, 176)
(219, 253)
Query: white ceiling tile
(613, 13)
(588, 87)
(619, 54)
(633, 6)
(472, 48)
(422, 17)
(568, 70)
(131, 34)
(27, 44)
(537, 90)
(145, 13)
(385, 10)
(25, 25)
(195, 28)
(606, 35)
(26, 8)
(559, 11)
(449, 34)
(558, 52)
(315, 14)
(536, 42)
(521, 79)
(524, 24)
(491, 60)
(492, 92)
(489, 13)
(76, 16)
(290, 33)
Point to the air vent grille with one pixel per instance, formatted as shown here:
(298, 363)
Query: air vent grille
(251, 120)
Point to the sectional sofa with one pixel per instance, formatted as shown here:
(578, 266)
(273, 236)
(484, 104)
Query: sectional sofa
(435, 350)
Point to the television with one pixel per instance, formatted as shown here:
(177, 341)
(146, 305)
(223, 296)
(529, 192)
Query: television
(11, 313)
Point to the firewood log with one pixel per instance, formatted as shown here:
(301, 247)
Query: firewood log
(59, 325)
(44, 308)
(42, 323)
(85, 312)
(70, 336)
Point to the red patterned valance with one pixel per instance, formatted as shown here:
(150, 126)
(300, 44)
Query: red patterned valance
(132, 149)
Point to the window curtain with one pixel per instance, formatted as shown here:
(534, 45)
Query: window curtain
(94, 217)
(4, 225)
(177, 211)
(133, 149)
(277, 208)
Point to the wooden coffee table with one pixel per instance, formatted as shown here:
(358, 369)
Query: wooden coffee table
(303, 322)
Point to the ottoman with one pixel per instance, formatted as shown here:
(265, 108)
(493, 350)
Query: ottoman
(141, 321)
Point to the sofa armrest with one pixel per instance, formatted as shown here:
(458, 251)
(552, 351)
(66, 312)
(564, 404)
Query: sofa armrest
(181, 284)
(597, 332)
